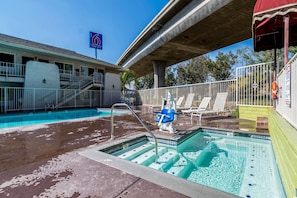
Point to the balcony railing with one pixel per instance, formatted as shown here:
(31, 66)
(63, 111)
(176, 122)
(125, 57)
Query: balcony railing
(18, 70)
(12, 69)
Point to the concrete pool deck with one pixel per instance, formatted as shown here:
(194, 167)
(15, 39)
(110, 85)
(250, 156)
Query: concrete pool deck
(43, 161)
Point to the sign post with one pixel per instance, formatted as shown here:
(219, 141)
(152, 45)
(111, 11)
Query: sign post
(95, 41)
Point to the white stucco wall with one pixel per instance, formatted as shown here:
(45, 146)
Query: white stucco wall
(112, 89)
(41, 75)
(45, 78)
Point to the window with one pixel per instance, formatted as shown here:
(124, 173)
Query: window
(90, 71)
(68, 68)
(25, 59)
(83, 71)
(65, 68)
(9, 58)
(61, 66)
(43, 60)
(86, 71)
(100, 71)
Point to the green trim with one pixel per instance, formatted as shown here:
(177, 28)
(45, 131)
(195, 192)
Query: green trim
(284, 138)
(252, 112)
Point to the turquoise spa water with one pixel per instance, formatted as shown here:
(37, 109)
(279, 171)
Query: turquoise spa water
(242, 166)
(17, 120)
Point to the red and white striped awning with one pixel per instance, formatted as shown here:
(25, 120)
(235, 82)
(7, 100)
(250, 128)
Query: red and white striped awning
(269, 24)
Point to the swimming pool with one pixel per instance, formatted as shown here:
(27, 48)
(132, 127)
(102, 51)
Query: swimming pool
(242, 166)
(22, 119)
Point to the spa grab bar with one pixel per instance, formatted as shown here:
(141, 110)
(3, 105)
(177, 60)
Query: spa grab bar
(138, 118)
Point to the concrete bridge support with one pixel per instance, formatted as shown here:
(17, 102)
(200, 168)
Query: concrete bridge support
(159, 73)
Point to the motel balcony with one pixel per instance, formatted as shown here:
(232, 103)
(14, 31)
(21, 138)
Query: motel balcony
(12, 72)
(15, 73)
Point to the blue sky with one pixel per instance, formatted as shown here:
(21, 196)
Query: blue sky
(67, 23)
(232, 48)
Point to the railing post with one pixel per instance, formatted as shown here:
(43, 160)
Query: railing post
(5, 99)
(57, 98)
(236, 87)
(90, 98)
(209, 89)
(75, 98)
(34, 99)
(6, 70)
(23, 70)
(99, 97)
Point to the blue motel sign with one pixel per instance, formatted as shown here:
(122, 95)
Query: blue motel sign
(95, 40)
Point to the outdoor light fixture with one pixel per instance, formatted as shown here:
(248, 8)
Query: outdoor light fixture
(44, 81)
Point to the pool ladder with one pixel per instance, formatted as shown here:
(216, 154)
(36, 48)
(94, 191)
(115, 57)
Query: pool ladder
(138, 118)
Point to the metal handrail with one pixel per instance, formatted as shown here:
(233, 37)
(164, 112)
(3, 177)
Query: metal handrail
(138, 118)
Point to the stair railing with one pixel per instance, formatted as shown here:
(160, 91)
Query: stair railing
(138, 118)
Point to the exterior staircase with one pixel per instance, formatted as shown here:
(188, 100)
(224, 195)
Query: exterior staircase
(86, 83)
(74, 88)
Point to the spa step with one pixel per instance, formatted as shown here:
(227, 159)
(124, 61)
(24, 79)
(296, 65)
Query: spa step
(170, 157)
(180, 167)
(129, 155)
(149, 156)
(192, 156)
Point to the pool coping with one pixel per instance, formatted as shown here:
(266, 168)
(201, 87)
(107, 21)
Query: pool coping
(44, 124)
(171, 182)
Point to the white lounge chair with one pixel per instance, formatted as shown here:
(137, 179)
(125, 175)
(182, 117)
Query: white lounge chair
(153, 107)
(218, 106)
(188, 103)
(179, 101)
(202, 106)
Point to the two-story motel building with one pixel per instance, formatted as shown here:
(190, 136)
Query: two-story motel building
(35, 76)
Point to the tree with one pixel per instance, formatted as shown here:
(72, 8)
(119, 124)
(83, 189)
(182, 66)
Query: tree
(126, 78)
(145, 82)
(221, 68)
(193, 71)
(170, 76)
(293, 49)
(247, 56)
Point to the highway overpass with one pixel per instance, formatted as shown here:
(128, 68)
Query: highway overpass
(185, 29)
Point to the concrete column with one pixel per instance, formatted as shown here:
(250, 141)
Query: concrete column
(159, 74)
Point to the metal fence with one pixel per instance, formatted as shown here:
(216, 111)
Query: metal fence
(253, 85)
(32, 99)
(155, 96)
(286, 103)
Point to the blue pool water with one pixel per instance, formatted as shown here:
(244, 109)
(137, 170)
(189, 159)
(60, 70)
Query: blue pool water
(243, 166)
(50, 117)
